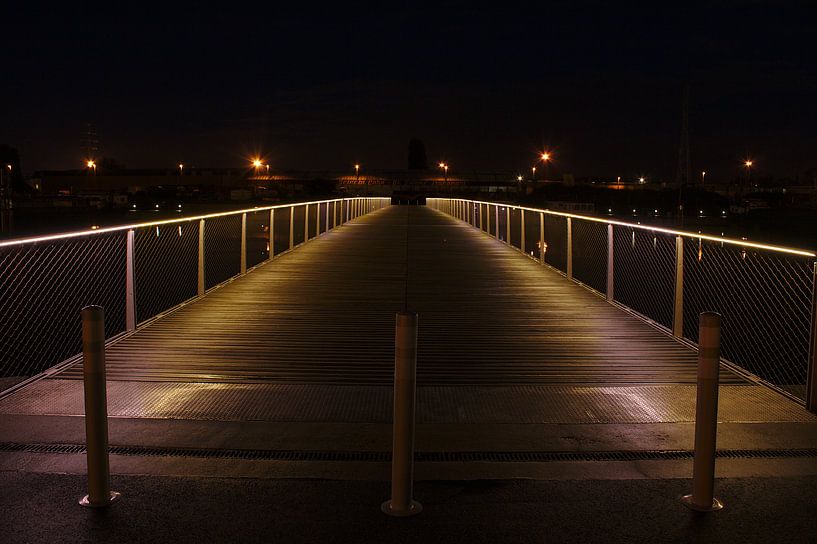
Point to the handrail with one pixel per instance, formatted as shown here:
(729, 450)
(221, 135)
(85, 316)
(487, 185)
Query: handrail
(767, 296)
(139, 272)
(131, 226)
(686, 234)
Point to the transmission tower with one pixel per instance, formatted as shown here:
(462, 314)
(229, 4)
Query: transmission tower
(682, 176)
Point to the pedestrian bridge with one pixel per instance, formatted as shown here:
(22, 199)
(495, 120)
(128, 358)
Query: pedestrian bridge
(287, 314)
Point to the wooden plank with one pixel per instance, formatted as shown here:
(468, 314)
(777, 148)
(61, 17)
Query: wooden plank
(325, 314)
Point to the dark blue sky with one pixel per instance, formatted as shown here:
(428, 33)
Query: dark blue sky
(484, 87)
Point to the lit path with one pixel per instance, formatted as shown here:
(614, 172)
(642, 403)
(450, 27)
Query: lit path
(309, 337)
(324, 314)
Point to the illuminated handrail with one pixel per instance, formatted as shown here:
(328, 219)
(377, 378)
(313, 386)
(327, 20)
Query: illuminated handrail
(685, 234)
(138, 272)
(766, 293)
(132, 226)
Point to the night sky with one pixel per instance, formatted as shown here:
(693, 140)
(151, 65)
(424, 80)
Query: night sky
(485, 88)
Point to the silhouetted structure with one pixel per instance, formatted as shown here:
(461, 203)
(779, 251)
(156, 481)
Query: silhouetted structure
(417, 155)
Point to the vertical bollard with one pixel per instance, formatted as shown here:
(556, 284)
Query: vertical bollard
(96, 408)
(405, 384)
(706, 416)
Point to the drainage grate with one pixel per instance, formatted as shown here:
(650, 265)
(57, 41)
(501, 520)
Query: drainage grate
(429, 456)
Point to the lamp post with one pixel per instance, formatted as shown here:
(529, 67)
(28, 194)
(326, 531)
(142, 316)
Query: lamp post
(545, 158)
(748, 163)
(91, 164)
(445, 170)
(181, 169)
(267, 165)
(533, 173)
(703, 177)
(357, 172)
(257, 164)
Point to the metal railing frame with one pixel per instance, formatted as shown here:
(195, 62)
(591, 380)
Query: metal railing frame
(458, 208)
(344, 210)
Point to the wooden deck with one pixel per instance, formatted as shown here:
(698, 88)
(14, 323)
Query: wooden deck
(324, 314)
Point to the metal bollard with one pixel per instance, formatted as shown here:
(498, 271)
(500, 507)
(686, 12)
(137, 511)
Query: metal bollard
(405, 385)
(96, 408)
(706, 416)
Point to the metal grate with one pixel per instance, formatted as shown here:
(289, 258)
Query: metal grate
(422, 457)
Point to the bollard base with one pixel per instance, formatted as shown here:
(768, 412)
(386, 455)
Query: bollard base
(687, 501)
(415, 508)
(87, 503)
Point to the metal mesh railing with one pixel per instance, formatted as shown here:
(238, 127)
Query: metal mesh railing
(42, 288)
(556, 242)
(257, 237)
(765, 300)
(765, 294)
(222, 254)
(590, 254)
(644, 272)
(46, 281)
(166, 269)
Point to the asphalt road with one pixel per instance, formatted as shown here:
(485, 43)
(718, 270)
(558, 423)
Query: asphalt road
(43, 508)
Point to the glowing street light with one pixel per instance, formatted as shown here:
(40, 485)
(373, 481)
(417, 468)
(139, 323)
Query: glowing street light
(91, 165)
(533, 173)
(267, 165)
(518, 178)
(445, 169)
(641, 179)
(357, 172)
(703, 176)
(181, 169)
(748, 163)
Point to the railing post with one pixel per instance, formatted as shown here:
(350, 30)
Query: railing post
(96, 408)
(317, 220)
(326, 217)
(480, 216)
(271, 233)
(610, 265)
(542, 237)
(496, 221)
(569, 249)
(522, 231)
(202, 283)
(405, 385)
(291, 226)
(678, 307)
(508, 225)
(306, 222)
(706, 416)
(334, 214)
(811, 380)
(130, 286)
(244, 242)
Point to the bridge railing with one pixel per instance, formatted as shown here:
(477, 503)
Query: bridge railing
(766, 294)
(136, 273)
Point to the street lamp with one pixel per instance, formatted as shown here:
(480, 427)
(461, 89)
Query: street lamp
(267, 165)
(545, 158)
(445, 170)
(641, 179)
(181, 169)
(357, 172)
(91, 165)
(703, 177)
(748, 164)
(533, 173)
